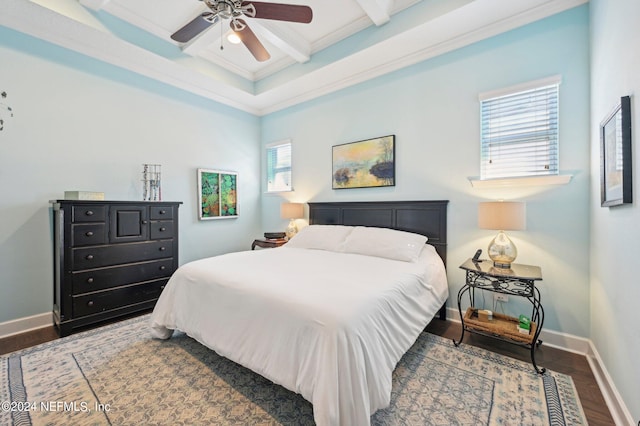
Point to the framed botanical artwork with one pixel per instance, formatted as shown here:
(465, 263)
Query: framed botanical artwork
(365, 164)
(218, 194)
(615, 156)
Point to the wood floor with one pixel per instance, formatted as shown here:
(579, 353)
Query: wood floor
(569, 363)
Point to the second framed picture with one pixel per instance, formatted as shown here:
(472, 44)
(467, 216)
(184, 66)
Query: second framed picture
(217, 194)
(615, 156)
(365, 164)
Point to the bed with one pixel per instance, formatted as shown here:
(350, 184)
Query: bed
(329, 314)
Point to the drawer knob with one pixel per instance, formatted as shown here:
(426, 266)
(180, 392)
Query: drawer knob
(89, 234)
(89, 280)
(163, 229)
(162, 268)
(89, 257)
(89, 213)
(144, 222)
(90, 303)
(162, 248)
(163, 211)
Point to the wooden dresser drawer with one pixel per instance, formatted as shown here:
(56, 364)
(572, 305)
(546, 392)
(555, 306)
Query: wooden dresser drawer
(89, 213)
(116, 254)
(101, 301)
(160, 230)
(161, 212)
(115, 276)
(87, 234)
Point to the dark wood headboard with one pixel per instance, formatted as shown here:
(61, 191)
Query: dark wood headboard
(427, 218)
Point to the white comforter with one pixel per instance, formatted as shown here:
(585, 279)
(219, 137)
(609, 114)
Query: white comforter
(329, 326)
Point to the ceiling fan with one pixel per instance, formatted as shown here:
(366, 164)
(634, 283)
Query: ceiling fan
(235, 10)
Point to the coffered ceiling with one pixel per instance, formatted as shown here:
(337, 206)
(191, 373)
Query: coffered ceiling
(347, 41)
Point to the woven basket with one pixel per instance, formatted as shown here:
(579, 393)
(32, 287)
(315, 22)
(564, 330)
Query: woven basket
(501, 325)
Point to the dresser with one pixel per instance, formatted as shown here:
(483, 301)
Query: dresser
(111, 258)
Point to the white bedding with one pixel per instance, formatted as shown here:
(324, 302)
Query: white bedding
(329, 326)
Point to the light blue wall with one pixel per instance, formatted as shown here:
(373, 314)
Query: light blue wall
(433, 110)
(615, 232)
(80, 124)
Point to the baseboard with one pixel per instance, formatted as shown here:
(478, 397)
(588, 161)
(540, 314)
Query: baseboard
(22, 325)
(582, 346)
(619, 411)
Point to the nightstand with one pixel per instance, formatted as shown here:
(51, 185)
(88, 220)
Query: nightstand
(265, 243)
(519, 280)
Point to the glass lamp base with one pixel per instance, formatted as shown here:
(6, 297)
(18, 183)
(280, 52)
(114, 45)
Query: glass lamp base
(291, 230)
(502, 251)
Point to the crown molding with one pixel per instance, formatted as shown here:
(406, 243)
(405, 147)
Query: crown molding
(469, 23)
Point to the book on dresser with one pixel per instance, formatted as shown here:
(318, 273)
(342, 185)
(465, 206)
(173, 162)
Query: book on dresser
(111, 258)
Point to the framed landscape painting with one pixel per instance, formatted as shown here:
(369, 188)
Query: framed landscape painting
(365, 164)
(615, 156)
(218, 194)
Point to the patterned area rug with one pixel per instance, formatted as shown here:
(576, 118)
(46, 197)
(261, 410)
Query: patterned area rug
(119, 375)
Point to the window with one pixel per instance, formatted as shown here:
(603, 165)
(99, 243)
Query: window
(279, 167)
(519, 131)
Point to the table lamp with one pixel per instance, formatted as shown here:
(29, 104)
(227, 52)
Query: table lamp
(502, 215)
(292, 211)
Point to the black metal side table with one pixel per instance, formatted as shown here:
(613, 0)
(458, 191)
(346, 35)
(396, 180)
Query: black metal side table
(519, 280)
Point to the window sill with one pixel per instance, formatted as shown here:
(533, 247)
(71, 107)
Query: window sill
(476, 182)
(283, 191)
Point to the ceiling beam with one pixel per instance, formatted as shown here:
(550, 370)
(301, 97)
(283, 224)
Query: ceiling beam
(379, 11)
(286, 40)
(203, 40)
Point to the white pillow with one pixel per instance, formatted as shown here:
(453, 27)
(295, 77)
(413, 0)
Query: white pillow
(385, 242)
(321, 237)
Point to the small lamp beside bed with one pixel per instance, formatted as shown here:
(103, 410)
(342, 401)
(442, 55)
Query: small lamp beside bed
(291, 211)
(502, 216)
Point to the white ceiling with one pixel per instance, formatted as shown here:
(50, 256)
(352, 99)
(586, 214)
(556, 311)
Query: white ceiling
(347, 42)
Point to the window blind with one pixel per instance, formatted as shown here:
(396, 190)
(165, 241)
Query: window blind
(279, 167)
(519, 133)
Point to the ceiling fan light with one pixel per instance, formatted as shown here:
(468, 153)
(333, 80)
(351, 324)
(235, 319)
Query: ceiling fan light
(233, 38)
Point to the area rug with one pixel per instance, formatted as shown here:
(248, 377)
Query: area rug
(119, 375)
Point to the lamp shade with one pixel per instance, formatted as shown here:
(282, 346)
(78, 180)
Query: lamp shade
(292, 210)
(502, 215)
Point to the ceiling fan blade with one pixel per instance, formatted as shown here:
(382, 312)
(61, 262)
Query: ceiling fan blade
(193, 28)
(250, 40)
(281, 12)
